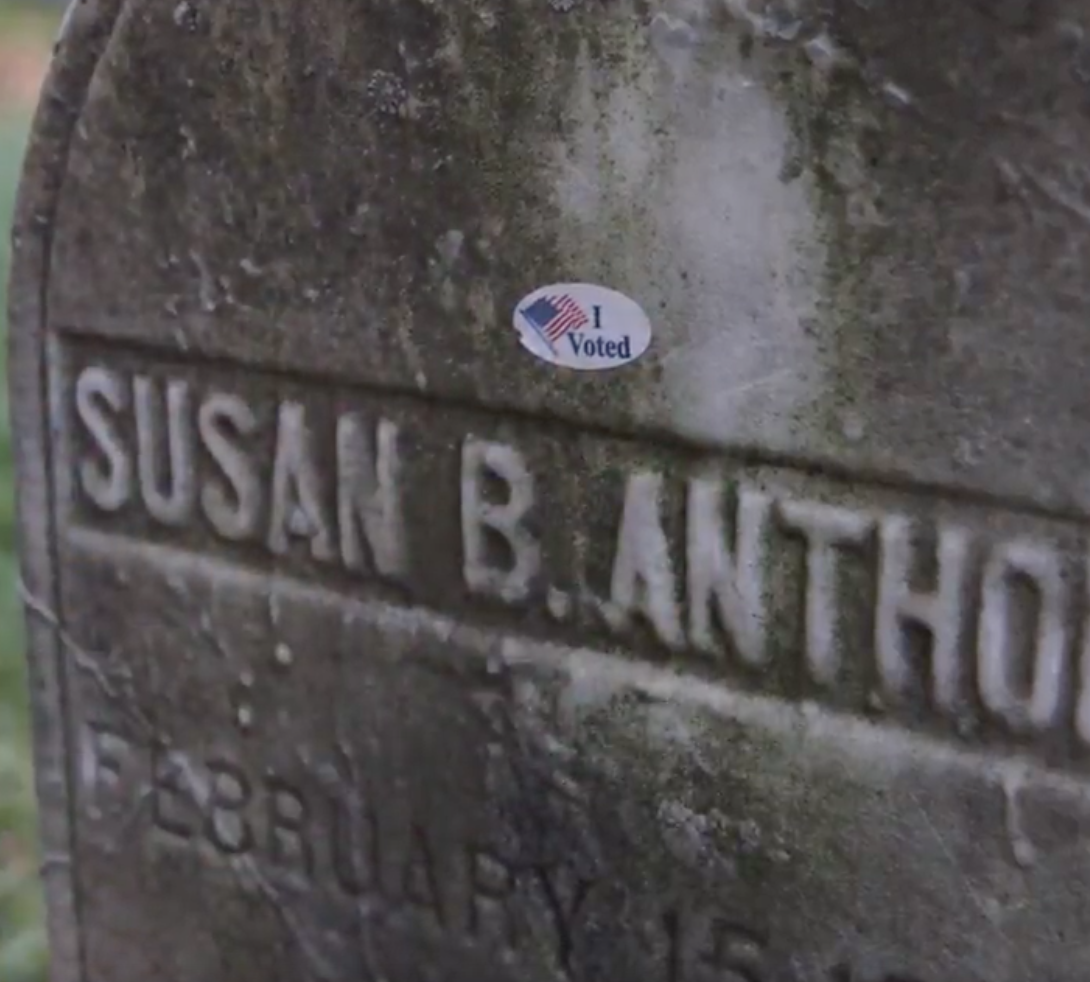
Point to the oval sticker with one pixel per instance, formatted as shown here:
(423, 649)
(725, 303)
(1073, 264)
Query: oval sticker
(582, 326)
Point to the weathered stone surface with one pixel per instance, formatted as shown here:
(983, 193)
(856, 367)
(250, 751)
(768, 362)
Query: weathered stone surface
(367, 646)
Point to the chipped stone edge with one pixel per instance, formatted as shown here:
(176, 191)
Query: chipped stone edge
(84, 35)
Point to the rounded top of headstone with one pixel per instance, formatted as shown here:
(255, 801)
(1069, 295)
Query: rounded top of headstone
(845, 252)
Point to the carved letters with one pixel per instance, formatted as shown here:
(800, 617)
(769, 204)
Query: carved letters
(800, 588)
(353, 844)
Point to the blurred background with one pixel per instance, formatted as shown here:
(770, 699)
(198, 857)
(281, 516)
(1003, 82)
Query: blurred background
(27, 30)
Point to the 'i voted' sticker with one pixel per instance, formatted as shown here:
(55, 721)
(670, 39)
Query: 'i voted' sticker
(582, 326)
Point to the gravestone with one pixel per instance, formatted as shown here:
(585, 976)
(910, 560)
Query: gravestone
(559, 490)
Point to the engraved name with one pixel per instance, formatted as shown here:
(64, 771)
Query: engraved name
(965, 619)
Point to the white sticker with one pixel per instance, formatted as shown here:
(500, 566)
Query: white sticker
(582, 326)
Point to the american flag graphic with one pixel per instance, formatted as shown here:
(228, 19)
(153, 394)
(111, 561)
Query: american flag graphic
(553, 317)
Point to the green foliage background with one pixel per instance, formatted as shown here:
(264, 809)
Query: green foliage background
(22, 946)
(22, 937)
